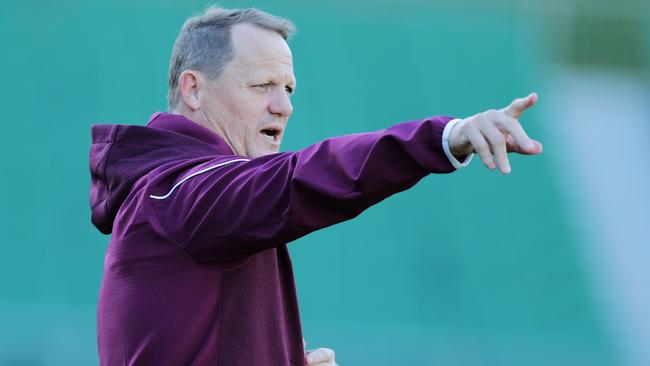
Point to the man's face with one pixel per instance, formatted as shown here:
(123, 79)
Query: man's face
(249, 103)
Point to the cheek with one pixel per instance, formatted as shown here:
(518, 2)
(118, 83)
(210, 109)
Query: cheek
(245, 106)
(252, 113)
(232, 110)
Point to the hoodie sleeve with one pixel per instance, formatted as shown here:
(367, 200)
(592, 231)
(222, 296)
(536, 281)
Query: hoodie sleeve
(232, 207)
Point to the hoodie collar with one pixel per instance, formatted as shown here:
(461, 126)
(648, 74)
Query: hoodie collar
(120, 155)
(181, 124)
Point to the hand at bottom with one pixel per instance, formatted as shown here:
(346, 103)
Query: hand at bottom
(319, 357)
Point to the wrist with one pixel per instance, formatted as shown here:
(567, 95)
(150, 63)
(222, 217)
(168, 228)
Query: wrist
(457, 161)
(458, 145)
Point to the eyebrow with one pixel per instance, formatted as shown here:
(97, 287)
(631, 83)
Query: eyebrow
(292, 82)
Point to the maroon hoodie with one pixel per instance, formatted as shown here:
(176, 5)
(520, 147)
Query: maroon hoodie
(197, 271)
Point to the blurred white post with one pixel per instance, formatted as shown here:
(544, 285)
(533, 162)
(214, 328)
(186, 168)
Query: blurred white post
(599, 122)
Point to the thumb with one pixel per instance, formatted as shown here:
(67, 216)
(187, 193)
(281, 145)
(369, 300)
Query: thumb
(512, 146)
(519, 105)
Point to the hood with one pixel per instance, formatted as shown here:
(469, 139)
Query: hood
(122, 154)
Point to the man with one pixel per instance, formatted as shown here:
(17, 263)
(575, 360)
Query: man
(201, 204)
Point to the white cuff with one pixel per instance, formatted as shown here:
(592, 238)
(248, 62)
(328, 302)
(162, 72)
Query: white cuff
(445, 146)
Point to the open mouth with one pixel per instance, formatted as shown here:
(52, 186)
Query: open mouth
(272, 133)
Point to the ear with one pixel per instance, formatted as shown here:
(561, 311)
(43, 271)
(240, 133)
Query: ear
(189, 85)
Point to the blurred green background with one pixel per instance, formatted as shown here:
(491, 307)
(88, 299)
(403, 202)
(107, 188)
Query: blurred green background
(472, 268)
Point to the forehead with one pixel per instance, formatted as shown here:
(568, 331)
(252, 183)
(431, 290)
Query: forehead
(257, 48)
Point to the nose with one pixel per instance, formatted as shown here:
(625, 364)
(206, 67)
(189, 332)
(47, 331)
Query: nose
(281, 104)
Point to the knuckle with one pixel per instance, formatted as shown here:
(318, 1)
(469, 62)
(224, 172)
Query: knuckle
(481, 147)
(508, 121)
(498, 139)
(490, 113)
(329, 353)
(477, 118)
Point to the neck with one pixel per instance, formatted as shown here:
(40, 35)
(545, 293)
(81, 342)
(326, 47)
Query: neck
(200, 118)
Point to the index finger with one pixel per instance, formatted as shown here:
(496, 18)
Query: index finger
(519, 105)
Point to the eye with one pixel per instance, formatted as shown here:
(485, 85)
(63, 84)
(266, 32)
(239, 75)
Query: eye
(263, 87)
(289, 89)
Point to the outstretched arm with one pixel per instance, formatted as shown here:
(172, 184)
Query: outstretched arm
(230, 207)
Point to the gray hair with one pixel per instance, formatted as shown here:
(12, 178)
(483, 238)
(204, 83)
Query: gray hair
(205, 43)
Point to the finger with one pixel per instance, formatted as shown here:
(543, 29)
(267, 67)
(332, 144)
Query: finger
(511, 126)
(497, 142)
(320, 355)
(481, 147)
(519, 105)
(514, 147)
